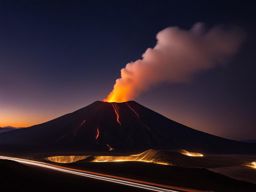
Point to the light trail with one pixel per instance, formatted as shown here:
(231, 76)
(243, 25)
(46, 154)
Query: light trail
(103, 177)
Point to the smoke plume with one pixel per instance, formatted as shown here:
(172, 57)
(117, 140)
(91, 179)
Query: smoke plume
(177, 56)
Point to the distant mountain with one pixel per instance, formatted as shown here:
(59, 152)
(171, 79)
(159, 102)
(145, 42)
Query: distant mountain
(116, 127)
(6, 129)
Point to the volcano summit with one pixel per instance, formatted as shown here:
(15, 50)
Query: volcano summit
(118, 127)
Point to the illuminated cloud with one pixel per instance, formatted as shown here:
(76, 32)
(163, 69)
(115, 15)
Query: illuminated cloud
(177, 56)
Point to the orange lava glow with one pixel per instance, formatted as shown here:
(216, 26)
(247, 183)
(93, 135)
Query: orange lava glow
(113, 97)
(97, 134)
(252, 165)
(191, 154)
(120, 93)
(149, 156)
(110, 148)
(116, 110)
(66, 159)
(145, 157)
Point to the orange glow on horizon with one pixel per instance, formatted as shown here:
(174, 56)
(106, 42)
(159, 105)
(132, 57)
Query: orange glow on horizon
(22, 118)
(17, 124)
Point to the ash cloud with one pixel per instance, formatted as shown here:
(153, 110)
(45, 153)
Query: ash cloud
(177, 56)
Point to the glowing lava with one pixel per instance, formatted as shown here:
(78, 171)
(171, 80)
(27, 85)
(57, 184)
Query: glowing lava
(191, 154)
(119, 94)
(66, 159)
(149, 156)
(252, 165)
(116, 110)
(97, 134)
(146, 157)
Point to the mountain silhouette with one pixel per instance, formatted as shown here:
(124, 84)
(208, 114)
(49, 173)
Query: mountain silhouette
(6, 129)
(118, 127)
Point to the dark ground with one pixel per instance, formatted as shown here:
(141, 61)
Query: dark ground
(195, 178)
(18, 177)
(15, 176)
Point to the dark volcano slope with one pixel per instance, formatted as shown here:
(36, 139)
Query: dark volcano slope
(119, 127)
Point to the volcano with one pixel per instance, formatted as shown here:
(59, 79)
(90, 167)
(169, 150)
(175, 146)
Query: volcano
(116, 127)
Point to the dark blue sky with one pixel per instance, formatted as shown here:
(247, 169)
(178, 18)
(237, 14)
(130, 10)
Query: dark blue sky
(58, 56)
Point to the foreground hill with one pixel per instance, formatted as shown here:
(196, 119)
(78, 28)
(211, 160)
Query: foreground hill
(15, 176)
(236, 166)
(188, 178)
(18, 177)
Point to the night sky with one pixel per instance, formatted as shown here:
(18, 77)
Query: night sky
(59, 56)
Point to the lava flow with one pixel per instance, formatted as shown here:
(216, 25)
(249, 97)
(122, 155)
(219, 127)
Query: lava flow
(149, 156)
(116, 110)
(130, 158)
(97, 134)
(66, 159)
(252, 165)
(191, 154)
